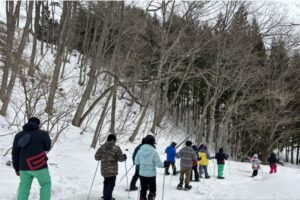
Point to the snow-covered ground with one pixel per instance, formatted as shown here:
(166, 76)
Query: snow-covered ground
(72, 168)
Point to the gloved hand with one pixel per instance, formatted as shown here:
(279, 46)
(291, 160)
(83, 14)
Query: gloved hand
(125, 157)
(166, 164)
(17, 173)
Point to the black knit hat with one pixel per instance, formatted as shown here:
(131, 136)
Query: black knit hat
(34, 120)
(173, 144)
(188, 143)
(143, 141)
(149, 139)
(221, 150)
(111, 137)
(194, 147)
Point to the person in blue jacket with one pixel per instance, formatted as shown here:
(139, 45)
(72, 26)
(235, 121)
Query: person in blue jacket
(171, 154)
(148, 160)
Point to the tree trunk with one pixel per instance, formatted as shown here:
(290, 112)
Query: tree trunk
(96, 59)
(292, 152)
(298, 149)
(11, 17)
(93, 105)
(58, 59)
(100, 122)
(287, 153)
(139, 124)
(17, 60)
(113, 108)
(32, 66)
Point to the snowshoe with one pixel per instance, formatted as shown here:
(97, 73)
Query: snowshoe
(111, 198)
(132, 189)
(179, 187)
(151, 196)
(187, 187)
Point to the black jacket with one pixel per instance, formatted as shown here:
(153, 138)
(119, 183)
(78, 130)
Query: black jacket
(29, 148)
(221, 157)
(273, 159)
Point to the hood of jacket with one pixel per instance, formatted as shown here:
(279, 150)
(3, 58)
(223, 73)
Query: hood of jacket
(30, 127)
(147, 150)
(108, 145)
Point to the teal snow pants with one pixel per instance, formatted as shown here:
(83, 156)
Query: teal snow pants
(26, 178)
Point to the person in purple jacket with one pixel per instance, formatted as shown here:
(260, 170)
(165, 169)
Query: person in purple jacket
(171, 154)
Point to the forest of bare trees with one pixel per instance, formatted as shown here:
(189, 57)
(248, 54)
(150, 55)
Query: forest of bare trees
(229, 77)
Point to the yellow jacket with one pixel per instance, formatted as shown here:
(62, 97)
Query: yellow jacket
(204, 159)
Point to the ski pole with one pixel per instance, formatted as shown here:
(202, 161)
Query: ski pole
(93, 180)
(126, 177)
(214, 168)
(126, 173)
(229, 168)
(209, 168)
(170, 178)
(163, 190)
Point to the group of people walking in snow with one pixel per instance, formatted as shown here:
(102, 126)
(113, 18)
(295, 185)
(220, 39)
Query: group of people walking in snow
(192, 158)
(29, 156)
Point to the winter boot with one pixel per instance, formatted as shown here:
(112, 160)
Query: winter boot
(167, 169)
(111, 198)
(187, 187)
(179, 187)
(207, 177)
(151, 196)
(143, 198)
(174, 173)
(134, 188)
(220, 177)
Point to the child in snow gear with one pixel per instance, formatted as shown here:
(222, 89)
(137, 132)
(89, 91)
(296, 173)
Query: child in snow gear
(203, 163)
(221, 157)
(30, 160)
(255, 165)
(109, 154)
(273, 163)
(195, 166)
(171, 154)
(187, 155)
(136, 174)
(148, 160)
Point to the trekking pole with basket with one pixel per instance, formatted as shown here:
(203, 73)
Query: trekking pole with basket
(127, 178)
(93, 180)
(163, 190)
(229, 168)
